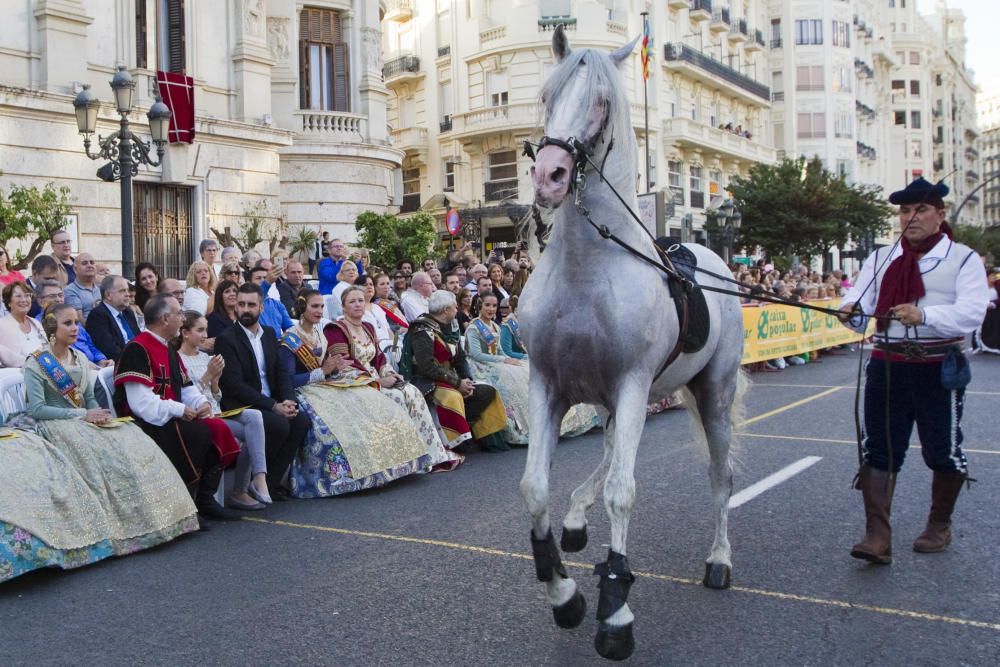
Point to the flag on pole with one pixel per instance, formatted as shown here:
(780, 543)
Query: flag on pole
(647, 49)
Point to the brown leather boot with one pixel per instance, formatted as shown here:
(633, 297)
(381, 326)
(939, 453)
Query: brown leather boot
(877, 487)
(944, 493)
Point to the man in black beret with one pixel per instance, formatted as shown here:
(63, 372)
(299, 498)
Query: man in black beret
(929, 292)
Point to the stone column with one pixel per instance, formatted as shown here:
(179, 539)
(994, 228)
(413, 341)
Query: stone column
(62, 42)
(252, 62)
(373, 94)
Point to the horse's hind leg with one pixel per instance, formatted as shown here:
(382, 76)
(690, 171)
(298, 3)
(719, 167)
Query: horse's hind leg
(568, 604)
(614, 638)
(574, 532)
(715, 409)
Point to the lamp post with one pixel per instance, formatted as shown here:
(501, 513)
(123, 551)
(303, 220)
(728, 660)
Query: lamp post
(124, 150)
(724, 220)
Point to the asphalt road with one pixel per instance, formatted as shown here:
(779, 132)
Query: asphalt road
(435, 569)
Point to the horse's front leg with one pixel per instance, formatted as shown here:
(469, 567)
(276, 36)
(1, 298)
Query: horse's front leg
(568, 604)
(574, 532)
(614, 639)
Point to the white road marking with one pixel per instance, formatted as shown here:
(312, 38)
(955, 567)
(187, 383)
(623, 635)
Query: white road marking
(771, 481)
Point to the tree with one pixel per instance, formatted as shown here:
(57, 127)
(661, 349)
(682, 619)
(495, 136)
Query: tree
(256, 227)
(390, 239)
(301, 242)
(984, 240)
(30, 213)
(798, 207)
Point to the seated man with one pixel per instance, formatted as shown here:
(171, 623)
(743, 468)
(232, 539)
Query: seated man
(273, 314)
(173, 287)
(433, 360)
(414, 300)
(152, 386)
(254, 376)
(112, 324)
(48, 293)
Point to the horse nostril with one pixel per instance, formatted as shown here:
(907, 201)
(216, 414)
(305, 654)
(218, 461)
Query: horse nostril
(559, 174)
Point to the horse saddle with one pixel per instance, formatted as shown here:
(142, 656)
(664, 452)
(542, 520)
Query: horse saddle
(692, 309)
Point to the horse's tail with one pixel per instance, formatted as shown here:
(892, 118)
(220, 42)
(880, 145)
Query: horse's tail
(737, 414)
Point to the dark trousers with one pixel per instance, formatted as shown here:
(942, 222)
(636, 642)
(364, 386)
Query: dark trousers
(282, 439)
(899, 395)
(312, 265)
(481, 398)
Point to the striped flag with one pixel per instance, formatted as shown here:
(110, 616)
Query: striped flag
(647, 49)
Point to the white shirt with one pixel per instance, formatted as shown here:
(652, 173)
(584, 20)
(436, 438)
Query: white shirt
(376, 317)
(414, 304)
(149, 407)
(116, 314)
(947, 321)
(196, 299)
(258, 353)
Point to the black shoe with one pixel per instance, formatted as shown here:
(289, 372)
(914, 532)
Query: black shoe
(214, 510)
(279, 495)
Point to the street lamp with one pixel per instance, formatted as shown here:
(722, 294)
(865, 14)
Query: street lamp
(724, 220)
(124, 149)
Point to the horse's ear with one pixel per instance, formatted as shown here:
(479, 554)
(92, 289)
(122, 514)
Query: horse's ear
(618, 56)
(560, 44)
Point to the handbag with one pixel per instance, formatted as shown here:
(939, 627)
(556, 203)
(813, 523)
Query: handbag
(955, 371)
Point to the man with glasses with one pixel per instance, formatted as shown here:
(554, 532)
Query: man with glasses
(173, 287)
(83, 292)
(112, 324)
(329, 267)
(62, 252)
(49, 292)
(43, 268)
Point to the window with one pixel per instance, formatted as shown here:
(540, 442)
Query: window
(841, 33)
(697, 188)
(140, 35)
(843, 125)
(496, 84)
(916, 148)
(914, 120)
(914, 57)
(899, 118)
(449, 176)
(163, 230)
(915, 88)
(694, 111)
(809, 77)
(407, 112)
(779, 136)
(554, 8)
(776, 30)
(842, 79)
(812, 125)
(324, 82)
(502, 172)
(411, 190)
(809, 31)
(170, 42)
(445, 100)
(844, 169)
(674, 181)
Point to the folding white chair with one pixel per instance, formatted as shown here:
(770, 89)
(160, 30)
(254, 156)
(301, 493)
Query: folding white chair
(106, 382)
(12, 398)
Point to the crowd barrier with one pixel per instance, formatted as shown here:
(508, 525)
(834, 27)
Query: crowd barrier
(772, 330)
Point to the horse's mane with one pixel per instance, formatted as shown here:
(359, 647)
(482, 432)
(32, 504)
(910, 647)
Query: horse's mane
(604, 81)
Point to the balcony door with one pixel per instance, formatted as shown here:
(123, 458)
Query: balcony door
(324, 58)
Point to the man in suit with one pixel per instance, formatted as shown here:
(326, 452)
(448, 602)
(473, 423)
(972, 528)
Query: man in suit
(290, 288)
(112, 323)
(253, 376)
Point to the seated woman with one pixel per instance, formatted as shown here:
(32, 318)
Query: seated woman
(510, 332)
(346, 276)
(383, 299)
(135, 500)
(200, 287)
(147, 279)
(490, 365)
(354, 339)
(359, 438)
(250, 491)
(376, 317)
(20, 335)
(223, 313)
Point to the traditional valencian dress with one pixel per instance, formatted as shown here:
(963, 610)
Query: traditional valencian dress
(369, 362)
(488, 363)
(436, 363)
(83, 493)
(146, 360)
(360, 439)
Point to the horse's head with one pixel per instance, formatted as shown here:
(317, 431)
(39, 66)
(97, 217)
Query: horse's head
(584, 98)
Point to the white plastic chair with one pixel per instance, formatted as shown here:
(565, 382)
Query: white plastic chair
(106, 378)
(12, 398)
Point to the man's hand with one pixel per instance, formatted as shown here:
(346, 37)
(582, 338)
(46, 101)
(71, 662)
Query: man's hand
(466, 387)
(287, 409)
(274, 274)
(189, 414)
(204, 411)
(846, 312)
(106, 362)
(908, 314)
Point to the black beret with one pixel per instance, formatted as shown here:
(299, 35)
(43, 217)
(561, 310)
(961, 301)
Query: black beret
(920, 191)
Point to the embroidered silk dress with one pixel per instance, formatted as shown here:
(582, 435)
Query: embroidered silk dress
(360, 439)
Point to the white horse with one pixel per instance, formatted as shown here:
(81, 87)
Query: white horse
(607, 344)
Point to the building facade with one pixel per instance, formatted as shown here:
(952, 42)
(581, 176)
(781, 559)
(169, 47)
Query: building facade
(465, 78)
(988, 107)
(290, 115)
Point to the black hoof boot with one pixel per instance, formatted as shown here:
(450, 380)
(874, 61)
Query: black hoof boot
(717, 576)
(573, 539)
(614, 642)
(570, 613)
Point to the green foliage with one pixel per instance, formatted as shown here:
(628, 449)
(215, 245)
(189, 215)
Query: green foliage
(390, 239)
(301, 242)
(257, 226)
(30, 213)
(984, 240)
(798, 207)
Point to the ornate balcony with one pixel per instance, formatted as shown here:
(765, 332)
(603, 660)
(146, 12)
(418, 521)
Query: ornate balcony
(712, 141)
(398, 10)
(331, 127)
(523, 117)
(696, 65)
(412, 140)
(739, 33)
(755, 44)
(678, 4)
(720, 21)
(701, 10)
(401, 69)
(549, 23)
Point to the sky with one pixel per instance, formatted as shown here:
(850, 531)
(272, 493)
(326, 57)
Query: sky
(981, 20)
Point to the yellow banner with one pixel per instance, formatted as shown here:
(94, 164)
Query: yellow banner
(771, 330)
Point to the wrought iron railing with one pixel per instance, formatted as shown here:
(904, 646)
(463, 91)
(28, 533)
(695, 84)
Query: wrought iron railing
(683, 52)
(397, 66)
